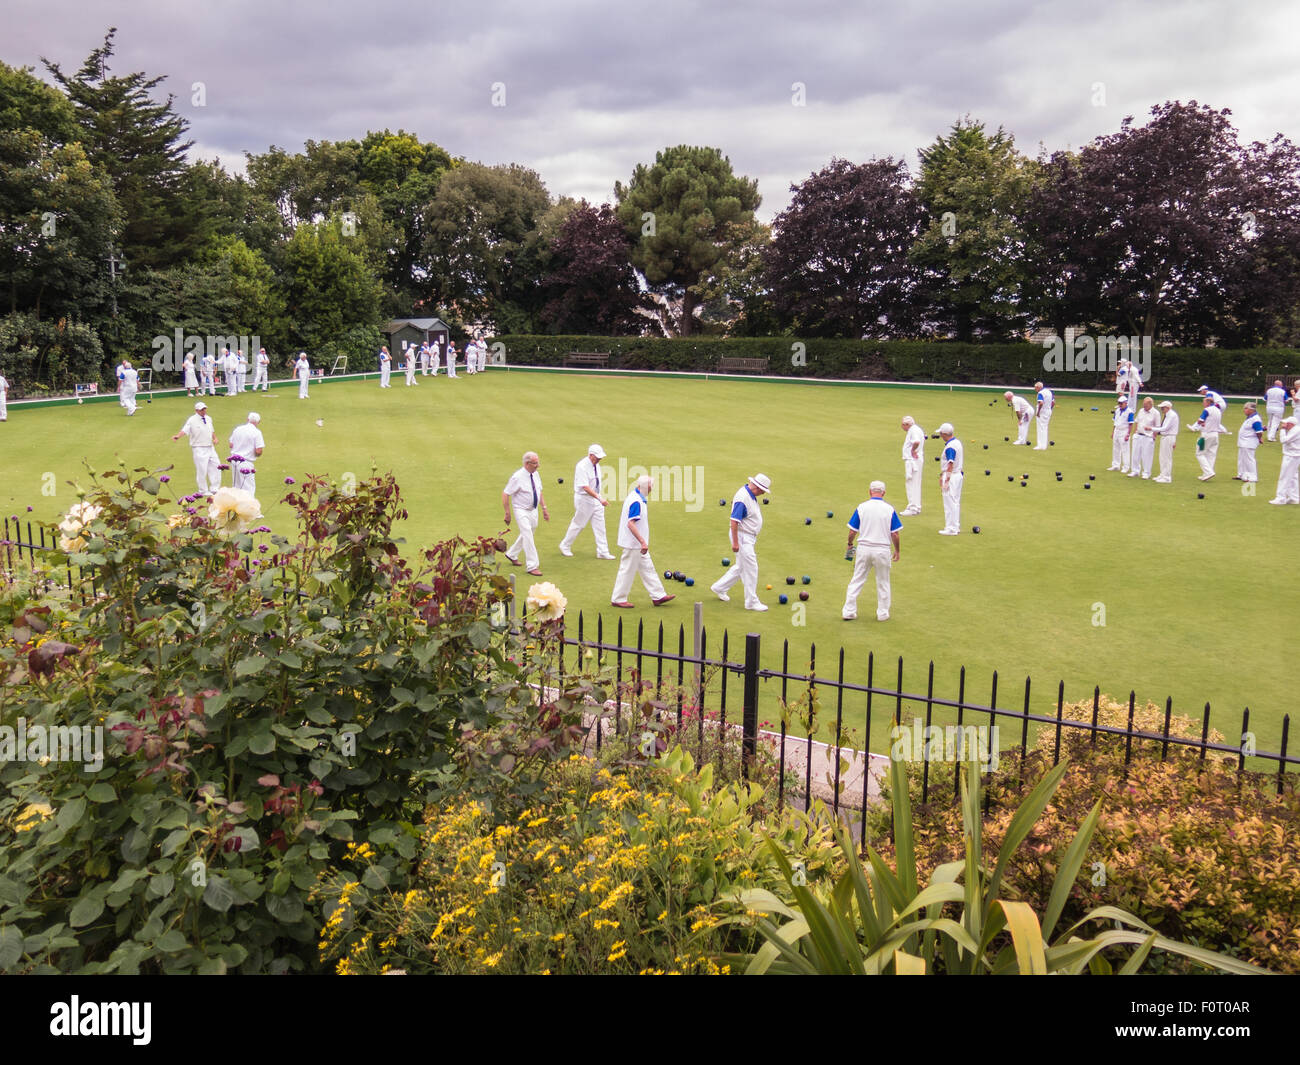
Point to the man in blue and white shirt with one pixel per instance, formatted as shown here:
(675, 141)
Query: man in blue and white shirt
(951, 476)
(589, 504)
(1249, 437)
(876, 528)
(746, 522)
(1207, 392)
(634, 539)
(1123, 429)
(913, 464)
(1043, 412)
(1209, 425)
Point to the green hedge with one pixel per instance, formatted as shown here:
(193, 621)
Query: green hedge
(1019, 364)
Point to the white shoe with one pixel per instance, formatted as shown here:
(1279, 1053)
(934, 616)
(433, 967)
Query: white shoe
(1205, 477)
(721, 595)
(565, 552)
(607, 558)
(882, 617)
(1135, 473)
(760, 607)
(949, 532)
(849, 617)
(1109, 468)
(1277, 502)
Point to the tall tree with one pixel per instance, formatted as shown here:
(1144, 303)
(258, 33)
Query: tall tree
(137, 142)
(591, 286)
(329, 289)
(680, 215)
(838, 265)
(973, 187)
(478, 227)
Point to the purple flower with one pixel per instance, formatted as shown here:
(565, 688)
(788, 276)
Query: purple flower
(223, 466)
(191, 510)
(236, 458)
(247, 470)
(29, 510)
(164, 478)
(288, 480)
(263, 548)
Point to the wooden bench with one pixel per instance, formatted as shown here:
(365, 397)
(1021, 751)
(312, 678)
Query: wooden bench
(594, 359)
(735, 364)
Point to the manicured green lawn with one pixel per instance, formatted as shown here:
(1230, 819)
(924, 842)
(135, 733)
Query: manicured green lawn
(1198, 595)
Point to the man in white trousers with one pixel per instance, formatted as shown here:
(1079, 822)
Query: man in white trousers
(230, 365)
(1043, 412)
(913, 464)
(1167, 431)
(1121, 430)
(203, 444)
(1249, 437)
(130, 385)
(951, 477)
(482, 354)
(246, 447)
(634, 539)
(302, 369)
(4, 399)
(589, 504)
(1209, 425)
(1288, 478)
(1144, 439)
(385, 367)
(410, 366)
(1023, 412)
(208, 374)
(746, 523)
(424, 359)
(242, 369)
(876, 528)
(1209, 393)
(451, 358)
(262, 370)
(523, 495)
(1274, 408)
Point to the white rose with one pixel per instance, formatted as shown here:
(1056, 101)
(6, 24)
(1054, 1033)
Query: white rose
(545, 602)
(234, 510)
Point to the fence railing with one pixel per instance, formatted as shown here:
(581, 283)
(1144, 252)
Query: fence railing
(650, 663)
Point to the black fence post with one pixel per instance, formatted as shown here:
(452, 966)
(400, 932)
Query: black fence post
(1281, 754)
(749, 721)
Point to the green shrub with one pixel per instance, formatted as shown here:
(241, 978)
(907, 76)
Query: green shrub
(259, 721)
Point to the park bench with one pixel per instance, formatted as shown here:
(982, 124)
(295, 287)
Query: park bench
(736, 364)
(595, 359)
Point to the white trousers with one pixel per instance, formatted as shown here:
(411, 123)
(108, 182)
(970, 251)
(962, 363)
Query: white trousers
(1022, 430)
(302, 386)
(410, 374)
(526, 523)
(424, 364)
(1044, 421)
(952, 503)
(206, 474)
(745, 570)
(260, 378)
(869, 556)
(208, 381)
(1206, 456)
(1166, 458)
(912, 478)
(385, 372)
(232, 383)
(1144, 453)
(1274, 420)
(435, 360)
(586, 509)
(631, 564)
(1119, 449)
(451, 364)
(482, 359)
(1246, 468)
(4, 405)
(128, 400)
(1288, 479)
(241, 380)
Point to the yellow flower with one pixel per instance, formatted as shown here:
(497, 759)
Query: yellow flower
(545, 603)
(33, 815)
(619, 951)
(234, 510)
(175, 521)
(81, 515)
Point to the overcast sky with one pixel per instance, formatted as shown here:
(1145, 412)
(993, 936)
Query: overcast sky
(591, 89)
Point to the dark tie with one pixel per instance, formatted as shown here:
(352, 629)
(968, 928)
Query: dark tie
(533, 484)
(598, 479)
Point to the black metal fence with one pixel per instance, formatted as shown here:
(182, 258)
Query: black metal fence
(691, 679)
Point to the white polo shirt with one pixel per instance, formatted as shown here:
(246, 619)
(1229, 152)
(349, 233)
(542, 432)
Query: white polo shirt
(1275, 400)
(524, 490)
(130, 379)
(1145, 421)
(1246, 434)
(245, 440)
(635, 508)
(1123, 416)
(199, 429)
(1022, 408)
(745, 509)
(1170, 424)
(1047, 399)
(586, 474)
(915, 435)
(1210, 420)
(874, 520)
